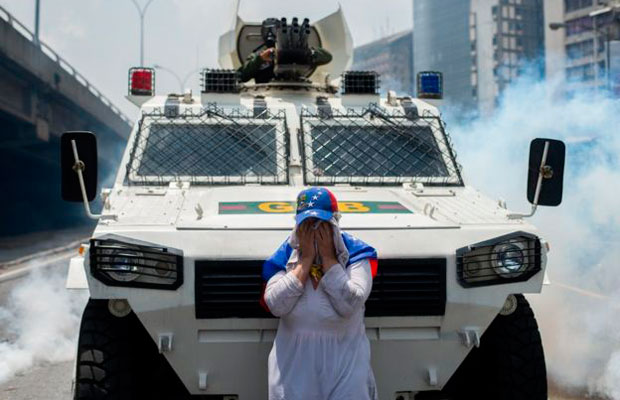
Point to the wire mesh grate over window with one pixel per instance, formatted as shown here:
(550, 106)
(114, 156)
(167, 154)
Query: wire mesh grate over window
(375, 147)
(213, 146)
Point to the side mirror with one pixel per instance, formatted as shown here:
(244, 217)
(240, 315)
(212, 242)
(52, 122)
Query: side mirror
(86, 146)
(546, 172)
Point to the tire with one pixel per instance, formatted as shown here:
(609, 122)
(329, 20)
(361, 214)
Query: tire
(508, 365)
(117, 360)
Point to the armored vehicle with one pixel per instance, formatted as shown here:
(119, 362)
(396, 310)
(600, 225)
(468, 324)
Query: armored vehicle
(205, 192)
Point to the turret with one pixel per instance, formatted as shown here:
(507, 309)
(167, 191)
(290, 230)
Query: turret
(330, 33)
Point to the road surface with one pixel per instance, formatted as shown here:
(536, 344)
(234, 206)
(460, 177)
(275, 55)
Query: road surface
(49, 381)
(44, 382)
(36, 378)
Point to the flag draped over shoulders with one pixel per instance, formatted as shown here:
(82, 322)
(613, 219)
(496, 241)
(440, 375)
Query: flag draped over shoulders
(360, 250)
(277, 261)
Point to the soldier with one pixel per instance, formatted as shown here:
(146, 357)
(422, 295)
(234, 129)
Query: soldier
(260, 64)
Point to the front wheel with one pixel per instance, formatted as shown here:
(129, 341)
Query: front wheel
(508, 365)
(118, 360)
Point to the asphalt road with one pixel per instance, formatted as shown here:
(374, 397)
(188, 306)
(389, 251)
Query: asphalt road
(42, 380)
(5, 290)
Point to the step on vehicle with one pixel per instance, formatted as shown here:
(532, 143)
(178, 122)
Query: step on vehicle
(205, 192)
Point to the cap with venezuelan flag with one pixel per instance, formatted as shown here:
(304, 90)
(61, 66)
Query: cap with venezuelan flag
(315, 202)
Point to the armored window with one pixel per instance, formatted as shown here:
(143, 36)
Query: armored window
(209, 148)
(375, 148)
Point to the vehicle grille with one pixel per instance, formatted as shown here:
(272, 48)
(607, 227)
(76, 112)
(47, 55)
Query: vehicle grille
(406, 287)
(402, 287)
(227, 289)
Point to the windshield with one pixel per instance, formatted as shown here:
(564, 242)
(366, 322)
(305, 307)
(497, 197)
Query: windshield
(209, 148)
(234, 147)
(205, 150)
(382, 151)
(372, 148)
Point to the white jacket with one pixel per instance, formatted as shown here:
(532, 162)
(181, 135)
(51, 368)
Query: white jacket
(321, 351)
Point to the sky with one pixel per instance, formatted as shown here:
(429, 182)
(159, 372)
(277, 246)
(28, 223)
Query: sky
(101, 38)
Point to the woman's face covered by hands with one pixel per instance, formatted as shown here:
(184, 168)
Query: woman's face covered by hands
(305, 235)
(324, 237)
(313, 231)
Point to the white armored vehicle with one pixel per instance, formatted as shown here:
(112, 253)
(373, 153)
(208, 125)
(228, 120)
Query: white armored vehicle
(206, 192)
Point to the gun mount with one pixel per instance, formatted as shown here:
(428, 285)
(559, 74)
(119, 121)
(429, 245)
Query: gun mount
(293, 56)
(293, 42)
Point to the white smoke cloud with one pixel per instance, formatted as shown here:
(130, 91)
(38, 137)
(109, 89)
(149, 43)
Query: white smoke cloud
(579, 316)
(41, 319)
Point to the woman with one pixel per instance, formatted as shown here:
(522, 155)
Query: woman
(317, 283)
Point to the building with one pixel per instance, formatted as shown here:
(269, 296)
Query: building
(480, 46)
(582, 44)
(391, 58)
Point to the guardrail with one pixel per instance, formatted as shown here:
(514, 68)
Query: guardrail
(48, 51)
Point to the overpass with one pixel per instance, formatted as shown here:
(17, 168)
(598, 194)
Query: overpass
(41, 96)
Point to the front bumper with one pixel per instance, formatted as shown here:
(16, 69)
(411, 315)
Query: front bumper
(229, 355)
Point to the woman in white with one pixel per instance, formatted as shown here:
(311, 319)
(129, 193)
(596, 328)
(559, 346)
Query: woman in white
(321, 351)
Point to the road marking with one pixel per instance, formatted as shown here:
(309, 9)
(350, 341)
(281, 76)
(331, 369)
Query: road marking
(38, 260)
(71, 246)
(581, 291)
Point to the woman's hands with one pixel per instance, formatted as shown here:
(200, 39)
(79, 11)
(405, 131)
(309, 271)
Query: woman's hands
(324, 236)
(305, 234)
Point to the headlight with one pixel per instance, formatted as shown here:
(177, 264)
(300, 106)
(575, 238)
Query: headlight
(120, 264)
(117, 263)
(506, 259)
(509, 259)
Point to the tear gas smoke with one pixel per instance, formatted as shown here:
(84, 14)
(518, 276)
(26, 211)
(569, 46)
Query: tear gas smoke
(41, 319)
(579, 317)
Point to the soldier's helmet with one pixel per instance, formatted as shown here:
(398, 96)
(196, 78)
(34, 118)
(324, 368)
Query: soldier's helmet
(268, 31)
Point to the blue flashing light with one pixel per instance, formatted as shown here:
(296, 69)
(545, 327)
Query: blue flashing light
(430, 85)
